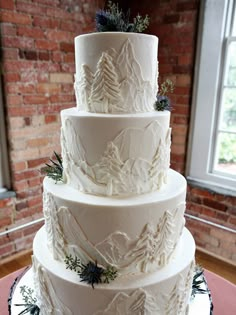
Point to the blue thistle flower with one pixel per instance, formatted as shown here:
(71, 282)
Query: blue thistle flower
(162, 103)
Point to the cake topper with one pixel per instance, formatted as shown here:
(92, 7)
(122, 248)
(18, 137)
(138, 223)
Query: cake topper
(114, 19)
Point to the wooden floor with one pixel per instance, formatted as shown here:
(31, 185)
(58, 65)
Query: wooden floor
(213, 264)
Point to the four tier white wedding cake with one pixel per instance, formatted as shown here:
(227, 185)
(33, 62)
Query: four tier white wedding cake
(120, 207)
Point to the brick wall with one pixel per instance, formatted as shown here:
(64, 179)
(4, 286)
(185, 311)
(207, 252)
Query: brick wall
(175, 22)
(38, 67)
(37, 61)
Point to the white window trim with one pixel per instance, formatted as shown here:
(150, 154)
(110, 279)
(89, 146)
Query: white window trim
(205, 97)
(4, 165)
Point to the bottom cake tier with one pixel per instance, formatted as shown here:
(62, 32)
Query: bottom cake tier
(165, 292)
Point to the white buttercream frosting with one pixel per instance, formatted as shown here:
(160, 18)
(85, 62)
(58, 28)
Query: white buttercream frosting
(132, 234)
(116, 72)
(157, 292)
(115, 154)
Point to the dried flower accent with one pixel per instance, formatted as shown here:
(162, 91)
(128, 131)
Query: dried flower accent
(114, 19)
(30, 301)
(162, 101)
(198, 280)
(55, 170)
(90, 273)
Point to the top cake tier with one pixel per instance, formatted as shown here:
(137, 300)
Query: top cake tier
(116, 72)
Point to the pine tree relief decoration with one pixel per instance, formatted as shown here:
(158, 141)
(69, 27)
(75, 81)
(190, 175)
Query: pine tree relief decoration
(82, 86)
(117, 84)
(55, 236)
(105, 91)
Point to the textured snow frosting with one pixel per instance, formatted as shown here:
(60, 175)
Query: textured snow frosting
(116, 72)
(107, 154)
(166, 291)
(134, 235)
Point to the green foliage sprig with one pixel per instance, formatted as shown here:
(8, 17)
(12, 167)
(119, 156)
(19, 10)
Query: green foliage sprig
(114, 19)
(90, 273)
(198, 280)
(162, 100)
(55, 170)
(30, 301)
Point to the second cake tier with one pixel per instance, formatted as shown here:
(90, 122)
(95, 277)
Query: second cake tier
(134, 234)
(115, 154)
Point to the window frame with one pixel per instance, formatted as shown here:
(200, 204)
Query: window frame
(5, 182)
(206, 95)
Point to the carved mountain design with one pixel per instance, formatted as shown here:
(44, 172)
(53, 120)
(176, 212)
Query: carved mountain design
(124, 166)
(152, 248)
(67, 237)
(49, 302)
(177, 300)
(137, 303)
(116, 86)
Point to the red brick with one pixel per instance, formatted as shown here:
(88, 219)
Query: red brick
(44, 55)
(50, 119)
(12, 77)
(21, 205)
(214, 204)
(48, 88)
(35, 201)
(38, 142)
(58, 35)
(31, 8)
(46, 45)
(14, 100)
(18, 42)
(6, 250)
(8, 29)
(46, 22)
(30, 32)
(19, 166)
(9, 4)
(35, 99)
(67, 47)
(22, 111)
(36, 162)
(13, 17)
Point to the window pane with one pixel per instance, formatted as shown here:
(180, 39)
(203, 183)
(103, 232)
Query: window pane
(226, 153)
(228, 110)
(230, 75)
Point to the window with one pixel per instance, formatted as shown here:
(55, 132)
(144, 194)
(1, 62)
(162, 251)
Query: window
(4, 170)
(212, 149)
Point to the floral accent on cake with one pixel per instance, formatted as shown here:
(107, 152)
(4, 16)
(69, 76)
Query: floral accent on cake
(114, 19)
(55, 169)
(90, 273)
(139, 302)
(48, 301)
(124, 167)
(117, 86)
(162, 100)
(30, 302)
(150, 250)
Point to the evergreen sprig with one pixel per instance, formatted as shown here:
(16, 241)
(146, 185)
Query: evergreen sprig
(90, 273)
(198, 280)
(114, 19)
(162, 100)
(30, 301)
(54, 170)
